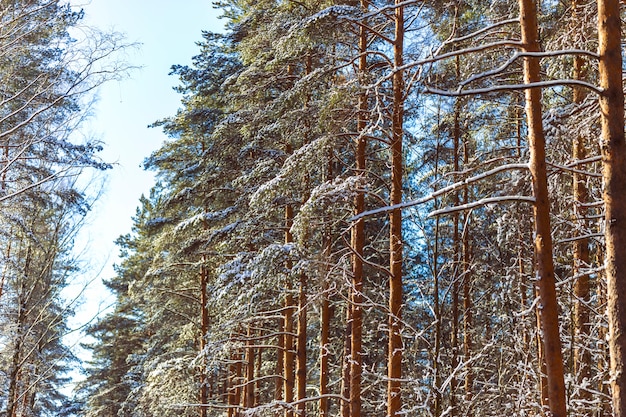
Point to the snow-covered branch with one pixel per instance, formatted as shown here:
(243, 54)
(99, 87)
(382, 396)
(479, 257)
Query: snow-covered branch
(482, 202)
(513, 87)
(442, 191)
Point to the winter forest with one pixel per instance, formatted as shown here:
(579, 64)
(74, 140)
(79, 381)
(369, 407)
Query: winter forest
(364, 208)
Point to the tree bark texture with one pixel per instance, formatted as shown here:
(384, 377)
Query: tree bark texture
(288, 356)
(301, 365)
(325, 313)
(345, 370)
(394, 365)
(613, 149)
(249, 395)
(543, 233)
(358, 241)
(582, 285)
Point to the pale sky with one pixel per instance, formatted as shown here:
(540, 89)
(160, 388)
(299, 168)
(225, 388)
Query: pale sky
(167, 31)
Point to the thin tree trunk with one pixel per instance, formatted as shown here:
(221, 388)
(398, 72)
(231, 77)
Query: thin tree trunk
(15, 369)
(204, 328)
(259, 367)
(614, 175)
(204, 321)
(232, 381)
(543, 239)
(325, 317)
(394, 364)
(437, 308)
(249, 395)
(5, 268)
(456, 137)
(358, 240)
(16, 360)
(345, 371)
(238, 382)
(582, 290)
(325, 313)
(289, 357)
(280, 361)
(544, 399)
(301, 366)
(467, 312)
(604, 410)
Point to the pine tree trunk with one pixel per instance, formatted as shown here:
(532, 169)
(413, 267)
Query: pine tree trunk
(345, 371)
(543, 239)
(457, 276)
(20, 329)
(325, 314)
(467, 314)
(249, 395)
(394, 364)
(324, 346)
(280, 361)
(14, 375)
(301, 366)
(231, 390)
(238, 384)
(204, 326)
(582, 290)
(6, 265)
(544, 399)
(613, 148)
(437, 309)
(289, 357)
(358, 241)
(259, 368)
(604, 410)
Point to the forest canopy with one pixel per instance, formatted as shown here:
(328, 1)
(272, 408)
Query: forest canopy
(375, 208)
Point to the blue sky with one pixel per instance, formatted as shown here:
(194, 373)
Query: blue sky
(167, 31)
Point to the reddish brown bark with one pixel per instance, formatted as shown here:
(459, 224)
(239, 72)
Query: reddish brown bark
(544, 398)
(358, 242)
(280, 361)
(467, 315)
(582, 288)
(248, 395)
(603, 359)
(548, 307)
(288, 356)
(345, 371)
(325, 316)
(613, 148)
(234, 391)
(458, 274)
(238, 382)
(436, 363)
(324, 352)
(301, 366)
(394, 364)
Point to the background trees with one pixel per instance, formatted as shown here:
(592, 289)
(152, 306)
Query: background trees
(344, 219)
(46, 79)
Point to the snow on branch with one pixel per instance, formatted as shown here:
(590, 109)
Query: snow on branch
(483, 30)
(445, 190)
(581, 237)
(574, 170)
(513, 87)
(517, 55)
(482, 202)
